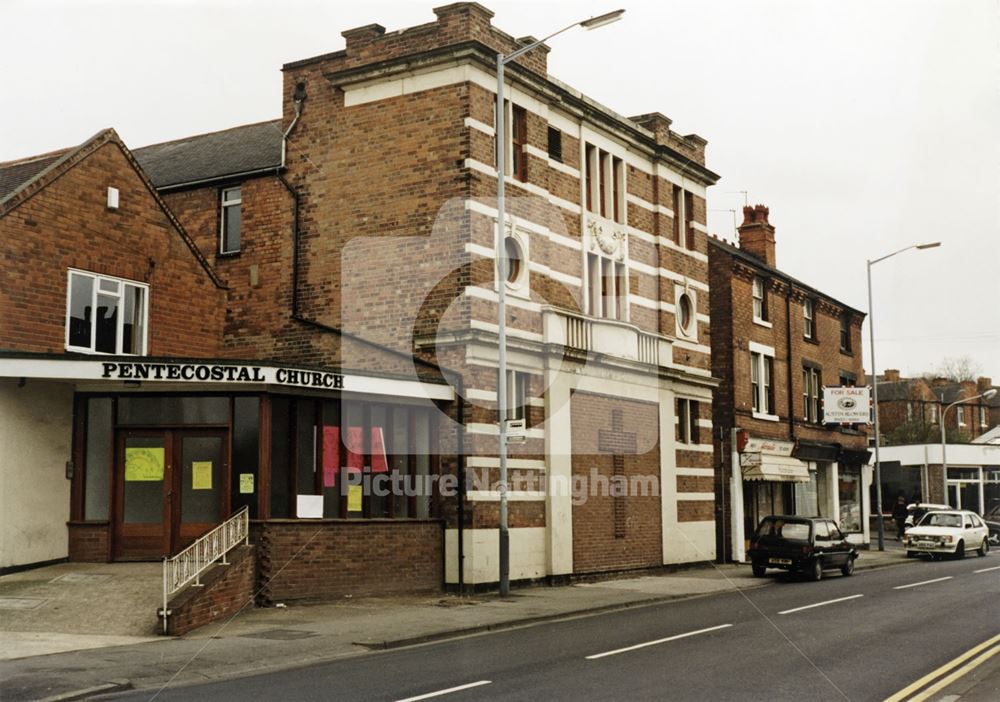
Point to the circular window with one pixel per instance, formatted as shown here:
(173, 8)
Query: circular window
(684, 312)
(515, 259)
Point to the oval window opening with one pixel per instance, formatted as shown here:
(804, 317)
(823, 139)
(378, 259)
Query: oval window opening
(514, 259)
(685, 313)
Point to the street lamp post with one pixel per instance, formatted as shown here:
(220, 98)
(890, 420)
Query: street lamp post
(501, 254)
(944, 444)
(871, 344)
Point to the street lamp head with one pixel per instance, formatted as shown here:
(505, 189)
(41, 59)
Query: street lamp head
(932, 245)
(989, 393)
(601, 20)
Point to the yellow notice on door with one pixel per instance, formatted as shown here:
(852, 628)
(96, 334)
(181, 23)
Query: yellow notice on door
(201, 475)
(354, 498)
(143, 464)
(246, 483)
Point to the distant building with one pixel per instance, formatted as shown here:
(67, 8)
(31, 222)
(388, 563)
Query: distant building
(910, 409)
(776, 342)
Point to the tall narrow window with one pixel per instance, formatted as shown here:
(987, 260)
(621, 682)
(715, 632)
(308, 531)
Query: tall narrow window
(229, 236)
(845, 333)
(811, 384)
(589, 186)
(616, 170)
(594, 273)
(687, 421)
(619, 290)
(555, 144)
(759, 299)
(603, 186)
(960, 414)
(982, 417)
(517, 394)
(755, 381)
(678, 206)
(519, 139)
(689, 220)
(761, 387)
(105, 315)
(809, 319)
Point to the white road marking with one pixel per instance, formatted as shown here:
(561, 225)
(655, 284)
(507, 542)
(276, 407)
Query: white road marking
(445, 692)
(986, 570)
(658, 641)
(820, 604)
(924, 582)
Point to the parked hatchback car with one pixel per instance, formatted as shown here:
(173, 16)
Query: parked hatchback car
(808, 545)
(916, 511)
(948, 533)
(992, 519)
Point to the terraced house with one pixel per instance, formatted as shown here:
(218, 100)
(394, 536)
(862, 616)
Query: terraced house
(348, 250)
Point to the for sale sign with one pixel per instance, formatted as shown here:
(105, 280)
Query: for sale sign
(846, 405)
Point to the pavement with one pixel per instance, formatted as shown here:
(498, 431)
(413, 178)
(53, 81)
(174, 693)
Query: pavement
(83, 636)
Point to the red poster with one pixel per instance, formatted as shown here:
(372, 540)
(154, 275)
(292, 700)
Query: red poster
(331, 455)
(355, 449)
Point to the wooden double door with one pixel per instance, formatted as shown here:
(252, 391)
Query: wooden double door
(171, 486)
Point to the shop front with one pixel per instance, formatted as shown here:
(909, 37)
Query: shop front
(155, 463)
(803, 478)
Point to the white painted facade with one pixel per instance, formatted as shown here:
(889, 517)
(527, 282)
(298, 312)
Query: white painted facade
(36, 431)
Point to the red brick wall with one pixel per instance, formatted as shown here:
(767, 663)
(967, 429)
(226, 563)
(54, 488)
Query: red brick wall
(596, 547)
(258, 314)
(733, 325)
(67, 225)
(88, 542)
(326, 559)
(225, 590)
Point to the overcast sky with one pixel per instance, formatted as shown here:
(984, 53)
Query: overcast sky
(865, 125)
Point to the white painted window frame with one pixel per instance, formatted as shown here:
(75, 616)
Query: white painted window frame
(758, 352)
(227, 203)
(96, 289)
(759, 294)
(809, 318)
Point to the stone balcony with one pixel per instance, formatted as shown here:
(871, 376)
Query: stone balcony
(608, 337)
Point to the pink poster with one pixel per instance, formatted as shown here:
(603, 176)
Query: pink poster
(331, 455)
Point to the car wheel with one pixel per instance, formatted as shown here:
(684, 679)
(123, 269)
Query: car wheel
(983, 548)
(817, 570)
(960, 550)
(758, 570)
(848, 567)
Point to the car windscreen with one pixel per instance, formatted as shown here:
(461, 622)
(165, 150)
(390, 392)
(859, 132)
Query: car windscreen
(783, 529)
(940, 519)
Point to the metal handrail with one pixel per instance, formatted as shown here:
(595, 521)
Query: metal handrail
(188, 565)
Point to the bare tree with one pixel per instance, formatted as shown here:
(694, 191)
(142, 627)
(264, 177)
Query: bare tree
(959, 368)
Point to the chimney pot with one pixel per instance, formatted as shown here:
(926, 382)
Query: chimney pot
(757, 234)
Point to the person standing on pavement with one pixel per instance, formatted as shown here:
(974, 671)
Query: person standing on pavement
(899, 515)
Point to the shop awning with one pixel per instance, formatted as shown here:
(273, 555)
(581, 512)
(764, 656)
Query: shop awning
(758, 466)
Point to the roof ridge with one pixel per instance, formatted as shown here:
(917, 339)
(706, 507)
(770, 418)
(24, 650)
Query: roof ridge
(204, 134)
(36, 157)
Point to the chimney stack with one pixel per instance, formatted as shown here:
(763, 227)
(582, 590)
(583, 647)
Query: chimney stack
(983, 384)
(757, 234)
(891, 375)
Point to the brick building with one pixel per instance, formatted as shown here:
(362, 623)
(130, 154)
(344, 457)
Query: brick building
(776, 342)
(910, 409)
(345, 262)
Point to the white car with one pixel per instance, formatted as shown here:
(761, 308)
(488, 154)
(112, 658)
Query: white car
(950, 532)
